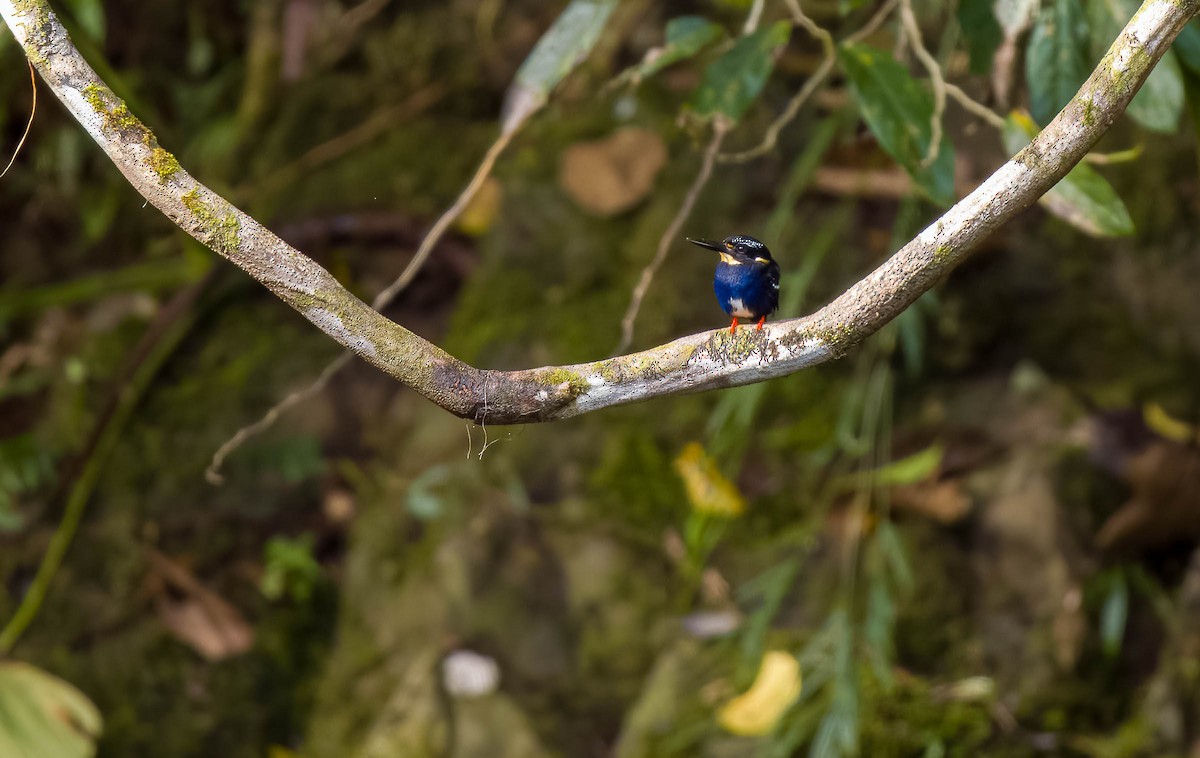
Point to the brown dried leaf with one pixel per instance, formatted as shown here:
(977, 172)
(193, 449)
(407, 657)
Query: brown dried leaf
(1165, 504)
(944, 502)
(201, 619)
(611, 175)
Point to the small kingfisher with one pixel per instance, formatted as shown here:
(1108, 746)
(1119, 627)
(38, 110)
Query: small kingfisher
(746, 280)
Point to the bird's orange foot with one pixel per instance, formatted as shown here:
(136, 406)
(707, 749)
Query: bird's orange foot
(733, 326)
(760, 323)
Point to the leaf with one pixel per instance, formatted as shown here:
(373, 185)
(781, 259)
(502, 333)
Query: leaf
(776, 687)
(1159, 102)
(1187, 47)
(481, 212)
(1113, 616)
(565, 44)
(977, 19)
(1165, 425)
(41, 715)
(707, 488)
(1083, 198)
(733, 81)
(898, 110)
(611, 175)
(197, 616)
(911, 469)
(1056, 61)
(685, 36)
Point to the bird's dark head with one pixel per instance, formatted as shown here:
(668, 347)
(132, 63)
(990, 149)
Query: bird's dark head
(737, 249)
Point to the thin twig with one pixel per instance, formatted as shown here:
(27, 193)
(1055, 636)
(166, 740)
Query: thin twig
(671, 233)
(449, 217)
(753, 18)
(874, 22)
(771, 138)
(974, 107)
(908, 20)
(29, 123)
(385, 297)
(213, 472)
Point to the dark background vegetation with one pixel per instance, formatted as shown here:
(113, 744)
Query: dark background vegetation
(978, 531)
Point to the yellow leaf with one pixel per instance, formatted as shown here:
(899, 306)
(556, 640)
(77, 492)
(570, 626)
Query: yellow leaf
(756, 710)
(1166, 425)
(707, 488)
(481, 212)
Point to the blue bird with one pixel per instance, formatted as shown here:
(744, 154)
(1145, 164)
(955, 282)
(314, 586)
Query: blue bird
(746, 280)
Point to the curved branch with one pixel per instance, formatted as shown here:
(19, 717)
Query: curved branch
(697, 362)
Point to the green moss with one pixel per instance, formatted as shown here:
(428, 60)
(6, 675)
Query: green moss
(839, 335)
(29, 6)
(217, 230)
(560, 376)
(1089, 112)
(163, 163)
(37, 34)
(115, 113)
(736, 347)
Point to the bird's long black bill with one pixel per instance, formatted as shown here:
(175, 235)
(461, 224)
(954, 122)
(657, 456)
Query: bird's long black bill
(709, 244)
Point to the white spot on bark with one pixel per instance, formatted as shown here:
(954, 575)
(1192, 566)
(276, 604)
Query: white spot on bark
(85, 114)
(332, 325)
(1122, 60)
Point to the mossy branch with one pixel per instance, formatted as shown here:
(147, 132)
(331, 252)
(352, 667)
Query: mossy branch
(697, 362)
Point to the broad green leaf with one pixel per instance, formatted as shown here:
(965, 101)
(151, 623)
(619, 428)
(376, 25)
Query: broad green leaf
(733, 81)
(565, 44)
(1159, 102)
(982, 32)
(1187, 47)
(1056, 61)
(41, 715)
(897, 108)
(685, 36)
(1083, 198)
